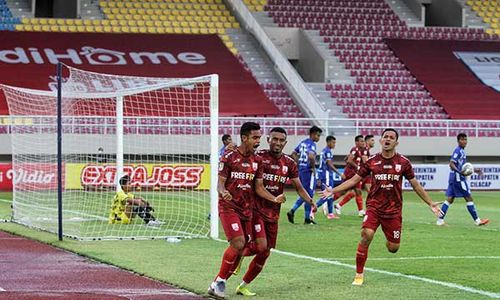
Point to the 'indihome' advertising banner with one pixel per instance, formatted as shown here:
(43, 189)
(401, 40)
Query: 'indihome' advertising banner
(161, 177)
(28, 59)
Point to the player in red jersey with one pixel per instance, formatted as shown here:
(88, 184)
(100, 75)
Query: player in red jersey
(357, 156)
(237, 169)
(274, 171)
(385, 200)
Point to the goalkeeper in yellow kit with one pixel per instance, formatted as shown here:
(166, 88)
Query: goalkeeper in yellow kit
(125, 206)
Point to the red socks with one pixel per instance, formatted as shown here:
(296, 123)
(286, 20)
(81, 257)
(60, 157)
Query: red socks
(359, 202)
(229, 258)
(256, 266)
(361, 256)
(347, 198)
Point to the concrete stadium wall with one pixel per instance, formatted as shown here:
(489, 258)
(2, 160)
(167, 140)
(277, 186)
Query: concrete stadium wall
(445, 13)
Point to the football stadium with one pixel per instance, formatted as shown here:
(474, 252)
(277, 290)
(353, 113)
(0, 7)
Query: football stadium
(189, 149)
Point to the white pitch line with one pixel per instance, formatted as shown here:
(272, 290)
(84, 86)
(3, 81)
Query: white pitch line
(396, 274)
(419, 258)
(338, 263)
(2, 290)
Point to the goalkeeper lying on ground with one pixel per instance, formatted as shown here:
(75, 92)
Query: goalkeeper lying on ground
(125, 206)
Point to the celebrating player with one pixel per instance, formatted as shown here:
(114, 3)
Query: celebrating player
(385, 200)
(274, 171)
(326, 170)
(125, 206)
(356, 157)
(457, 185)
(305, 155)
(237, 169)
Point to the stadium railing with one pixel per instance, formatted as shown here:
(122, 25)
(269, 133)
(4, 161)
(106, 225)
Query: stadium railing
(231, 125)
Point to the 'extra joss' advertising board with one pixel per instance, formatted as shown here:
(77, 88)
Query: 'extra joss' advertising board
(91, 176)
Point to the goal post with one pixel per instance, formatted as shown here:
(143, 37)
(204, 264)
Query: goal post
(162, 132)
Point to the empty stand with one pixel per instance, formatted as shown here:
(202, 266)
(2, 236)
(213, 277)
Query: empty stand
(355, 32)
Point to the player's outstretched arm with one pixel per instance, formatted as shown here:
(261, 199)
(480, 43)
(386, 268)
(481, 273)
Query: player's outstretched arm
(303, 193)
(425, 197)
(263, 193)
(346, 185)
(221, 189)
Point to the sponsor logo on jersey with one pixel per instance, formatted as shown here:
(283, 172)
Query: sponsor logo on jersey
(389, 177)
(242, 175)
(244, 187)
(274, 177)
(397, 167)
(387, 166)
(255, 166)
(284, 169)
(258, 228)
(235, 226)
(275, 167)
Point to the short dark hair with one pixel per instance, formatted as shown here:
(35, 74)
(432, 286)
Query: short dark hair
(461, 135)
(368, 136)
(278, 129)
(358, 137)
(393, 130)
(124, 180)
(315, 129)
(330, 138)
(247, 127)
(225, 137)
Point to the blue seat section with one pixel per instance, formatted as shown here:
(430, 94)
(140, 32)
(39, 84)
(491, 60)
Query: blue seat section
(7, 21)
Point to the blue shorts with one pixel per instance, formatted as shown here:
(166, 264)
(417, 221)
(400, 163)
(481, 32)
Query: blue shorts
(308, 182)
(326, 181)
(458, 189)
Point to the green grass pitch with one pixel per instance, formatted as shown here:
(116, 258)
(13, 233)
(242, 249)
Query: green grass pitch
(317, 262)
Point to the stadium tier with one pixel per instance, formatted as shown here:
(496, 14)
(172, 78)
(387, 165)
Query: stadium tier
(166, 17)
(489, 11)
(356, 33)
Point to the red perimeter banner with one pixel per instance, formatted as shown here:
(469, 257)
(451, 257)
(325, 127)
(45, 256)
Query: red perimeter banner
(28, 59)
(29, 176)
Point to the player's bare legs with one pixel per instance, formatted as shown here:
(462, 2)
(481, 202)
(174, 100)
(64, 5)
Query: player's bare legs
(392, 247)
(362, 254)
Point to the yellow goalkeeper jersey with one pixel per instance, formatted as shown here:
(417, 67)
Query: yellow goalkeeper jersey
(117, 213)
(120, 200)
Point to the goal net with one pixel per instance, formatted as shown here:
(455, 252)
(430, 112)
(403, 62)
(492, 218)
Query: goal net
(160, 132)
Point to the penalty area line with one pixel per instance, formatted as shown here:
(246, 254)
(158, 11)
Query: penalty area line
(396, 274)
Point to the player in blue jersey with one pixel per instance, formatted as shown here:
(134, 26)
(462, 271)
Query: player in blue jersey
(305, 156)
(227, 144)
(325, 174)
(457, 184)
